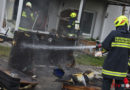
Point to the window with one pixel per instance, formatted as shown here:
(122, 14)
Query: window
(87, 23)
(15, 9)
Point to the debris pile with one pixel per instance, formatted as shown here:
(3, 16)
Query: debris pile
(78, 80)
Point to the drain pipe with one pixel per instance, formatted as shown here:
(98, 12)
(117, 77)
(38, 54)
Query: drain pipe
(19, 14)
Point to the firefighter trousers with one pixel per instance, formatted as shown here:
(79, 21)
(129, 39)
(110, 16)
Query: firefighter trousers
(107, 84)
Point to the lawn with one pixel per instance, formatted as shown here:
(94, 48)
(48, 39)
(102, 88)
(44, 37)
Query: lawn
(4, 51)
(84, 59)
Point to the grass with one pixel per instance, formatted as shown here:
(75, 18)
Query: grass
(91, 39)
(89, 60)
(4, 51)
(82, 59)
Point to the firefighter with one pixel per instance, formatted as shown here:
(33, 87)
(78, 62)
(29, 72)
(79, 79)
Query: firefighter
(27, 18)
(116, 63)
(71, 24)
(129, 66)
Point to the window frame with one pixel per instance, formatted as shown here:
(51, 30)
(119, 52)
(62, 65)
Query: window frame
(93, 23)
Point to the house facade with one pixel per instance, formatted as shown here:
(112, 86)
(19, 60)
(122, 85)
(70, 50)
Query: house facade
(96, 20)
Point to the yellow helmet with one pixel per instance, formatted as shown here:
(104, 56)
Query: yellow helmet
(121, 21)
(29, 4)
(73, 15)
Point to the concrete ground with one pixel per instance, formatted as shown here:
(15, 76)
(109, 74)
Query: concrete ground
(45, 77)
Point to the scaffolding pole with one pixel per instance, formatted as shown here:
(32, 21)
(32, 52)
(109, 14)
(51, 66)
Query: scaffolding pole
(19, 14)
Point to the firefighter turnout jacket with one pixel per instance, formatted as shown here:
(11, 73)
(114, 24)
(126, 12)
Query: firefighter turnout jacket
(71, 27)
(27, 19)
(129, 65)
(118, 44)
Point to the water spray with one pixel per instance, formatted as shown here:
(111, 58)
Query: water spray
(52, 47)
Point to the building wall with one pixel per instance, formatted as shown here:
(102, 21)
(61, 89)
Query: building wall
(70, 4)
(53, 14)
(92, 6)
(55, 7)
(2, 10)
(127, 13)
(111, 14)
(10, 9)
(104, 15)
(99, 9)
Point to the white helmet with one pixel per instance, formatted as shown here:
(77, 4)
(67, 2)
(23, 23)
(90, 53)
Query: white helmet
(29, 4)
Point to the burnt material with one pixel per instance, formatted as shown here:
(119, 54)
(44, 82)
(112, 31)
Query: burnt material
(68, 87)
(12, 79)
(23, 58)
(8, 82)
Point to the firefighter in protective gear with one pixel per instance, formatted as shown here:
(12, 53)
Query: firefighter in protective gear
(71, 24)
(27, 18)
(129, 65)
(73, 15)
(29, 4)
(117, 43)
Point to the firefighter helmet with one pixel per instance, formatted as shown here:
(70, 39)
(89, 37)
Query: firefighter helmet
(121, 21)
(29, 4)
(73, 15)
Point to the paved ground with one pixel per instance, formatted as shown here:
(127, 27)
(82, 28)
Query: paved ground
(47, 79)
(45, 76)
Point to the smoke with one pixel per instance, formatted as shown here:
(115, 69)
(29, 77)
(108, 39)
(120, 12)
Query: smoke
(51, 47)
(41, 8)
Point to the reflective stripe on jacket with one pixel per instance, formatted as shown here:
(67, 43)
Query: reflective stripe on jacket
(112, 73)
(116, 63)
(27, 20)
(23, 29)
